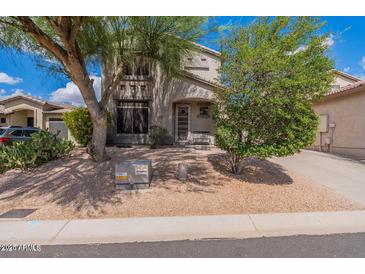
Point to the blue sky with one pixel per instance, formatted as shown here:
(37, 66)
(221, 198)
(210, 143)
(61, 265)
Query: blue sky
(18, 73)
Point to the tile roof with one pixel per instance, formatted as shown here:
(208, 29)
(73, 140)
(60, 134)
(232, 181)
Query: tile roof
(346, 89)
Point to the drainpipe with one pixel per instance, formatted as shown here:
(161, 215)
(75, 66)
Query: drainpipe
(320, 141)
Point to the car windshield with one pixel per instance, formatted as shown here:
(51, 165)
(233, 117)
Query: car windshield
(2, 131)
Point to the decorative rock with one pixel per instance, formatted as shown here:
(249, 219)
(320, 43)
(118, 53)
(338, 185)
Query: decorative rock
(182, 172)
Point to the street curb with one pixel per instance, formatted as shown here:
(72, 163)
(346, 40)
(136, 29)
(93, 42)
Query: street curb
(150, 229)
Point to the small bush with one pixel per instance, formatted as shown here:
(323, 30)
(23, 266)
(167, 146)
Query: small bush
(42, 148)
(80, 125)
(157, 136)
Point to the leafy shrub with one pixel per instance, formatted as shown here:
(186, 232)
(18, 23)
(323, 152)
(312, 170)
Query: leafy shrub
(266, 108)
(42, 148)
(157, 136)
(80, 125)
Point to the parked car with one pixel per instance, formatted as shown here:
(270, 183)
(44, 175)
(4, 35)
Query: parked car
(16, 133)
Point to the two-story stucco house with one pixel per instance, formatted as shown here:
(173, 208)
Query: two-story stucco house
(147, 97)
(342, 115)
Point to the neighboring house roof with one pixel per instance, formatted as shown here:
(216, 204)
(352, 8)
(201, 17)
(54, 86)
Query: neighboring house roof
(355, 87)
(4, 111)
(346, 75)
(28, 97)
(62, 110)
(33, 99)
(18, 96)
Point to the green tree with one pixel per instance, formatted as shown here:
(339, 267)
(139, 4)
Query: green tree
(273, 69)
(70, 45)
(79, 123)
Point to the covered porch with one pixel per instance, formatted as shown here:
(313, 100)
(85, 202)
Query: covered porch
(24, 117)
(193, 121)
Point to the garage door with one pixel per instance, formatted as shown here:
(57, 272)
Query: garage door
(58, 126)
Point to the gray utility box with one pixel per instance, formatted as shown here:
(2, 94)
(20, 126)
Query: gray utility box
(133, 174)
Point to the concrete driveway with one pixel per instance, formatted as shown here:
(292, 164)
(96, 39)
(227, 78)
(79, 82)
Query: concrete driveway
(343, 175)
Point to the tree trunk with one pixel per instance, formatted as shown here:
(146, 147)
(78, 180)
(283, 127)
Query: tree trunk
(98, 113)
(97, 147)
(70, 55)
(234, 161)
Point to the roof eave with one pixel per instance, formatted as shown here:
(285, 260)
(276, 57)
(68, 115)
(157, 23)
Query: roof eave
(199, 79)
(346, 75)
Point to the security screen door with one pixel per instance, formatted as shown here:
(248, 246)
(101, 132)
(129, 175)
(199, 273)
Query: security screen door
(182, 122)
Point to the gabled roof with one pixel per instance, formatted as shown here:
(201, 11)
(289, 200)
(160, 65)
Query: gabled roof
(351, 88)
(357, 86)
(30, 98)
(346, 75)
(206, 49)
(202, 80)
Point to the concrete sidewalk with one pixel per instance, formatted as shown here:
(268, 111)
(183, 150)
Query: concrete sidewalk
(180, 228)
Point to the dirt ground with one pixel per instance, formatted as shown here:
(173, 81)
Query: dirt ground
(76, 187)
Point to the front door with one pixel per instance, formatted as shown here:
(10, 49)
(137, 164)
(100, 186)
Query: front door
(30, 122)
(182, 122)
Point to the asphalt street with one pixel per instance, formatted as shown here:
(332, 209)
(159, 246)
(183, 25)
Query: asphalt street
(328, 246)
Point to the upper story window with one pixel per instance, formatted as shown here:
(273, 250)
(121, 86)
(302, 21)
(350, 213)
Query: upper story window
(139, 67)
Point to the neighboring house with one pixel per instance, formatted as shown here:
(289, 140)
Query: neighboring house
(27, 111)
(147, 97)
(342, 115)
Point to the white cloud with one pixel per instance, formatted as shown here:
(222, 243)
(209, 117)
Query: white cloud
(18, 91)
(362, 62)
(329, 41)
(346, 69)
(2, 93)
(70, 94)
(4, 78)
(301, 48)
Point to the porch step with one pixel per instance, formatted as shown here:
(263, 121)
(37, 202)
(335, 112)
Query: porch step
(194, 146)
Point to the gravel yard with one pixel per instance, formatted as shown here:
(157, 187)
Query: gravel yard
(76, 187)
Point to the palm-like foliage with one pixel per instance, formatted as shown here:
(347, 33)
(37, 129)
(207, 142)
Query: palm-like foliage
(70, 44)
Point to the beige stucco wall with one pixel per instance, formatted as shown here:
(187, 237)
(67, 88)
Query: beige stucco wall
(348, 114)
(47, 116)
(3, 116)
(163, 93)
(342, 81)
(22, 109)
(208, 69)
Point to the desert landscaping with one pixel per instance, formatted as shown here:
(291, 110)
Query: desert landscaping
(75, 187)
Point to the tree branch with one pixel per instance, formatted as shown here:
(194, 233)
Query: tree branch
(43, 39)
(115, 79)
(75, 28)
